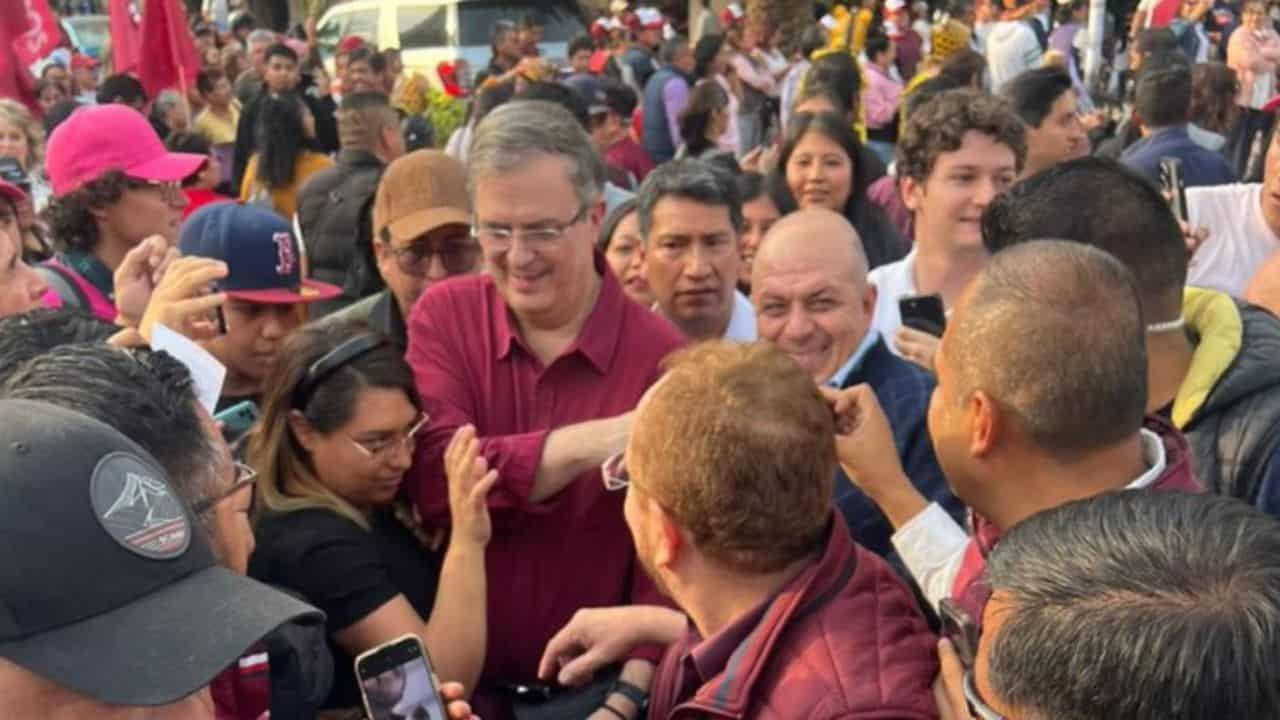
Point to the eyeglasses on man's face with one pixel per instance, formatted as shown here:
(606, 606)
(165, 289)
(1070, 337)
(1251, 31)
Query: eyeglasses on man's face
(245, 477)
(499, 238)
(457, 254)
(614, 473)
(170, 192)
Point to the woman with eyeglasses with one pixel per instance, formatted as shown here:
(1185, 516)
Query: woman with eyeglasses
(336, 436)
(114, 186)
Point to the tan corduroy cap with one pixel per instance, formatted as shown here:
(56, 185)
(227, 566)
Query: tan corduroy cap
(420, 192)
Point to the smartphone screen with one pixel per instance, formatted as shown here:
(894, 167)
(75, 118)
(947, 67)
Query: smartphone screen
(395, 682)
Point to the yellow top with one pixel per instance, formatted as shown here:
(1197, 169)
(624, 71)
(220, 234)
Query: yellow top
(219, 130)
(283, 200)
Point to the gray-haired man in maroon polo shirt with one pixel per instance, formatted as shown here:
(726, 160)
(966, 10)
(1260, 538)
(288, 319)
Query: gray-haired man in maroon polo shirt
(546, 357)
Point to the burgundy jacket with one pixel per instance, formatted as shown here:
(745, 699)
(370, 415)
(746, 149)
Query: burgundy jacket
(844, 639)
(970, 591)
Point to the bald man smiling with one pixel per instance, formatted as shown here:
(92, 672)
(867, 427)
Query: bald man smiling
(812, 299)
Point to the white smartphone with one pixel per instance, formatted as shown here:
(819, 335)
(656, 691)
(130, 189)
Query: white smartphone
(396, 681)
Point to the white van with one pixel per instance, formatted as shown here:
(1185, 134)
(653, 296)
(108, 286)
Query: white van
(429, 32)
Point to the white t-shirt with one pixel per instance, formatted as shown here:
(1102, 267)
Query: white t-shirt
(1012, 49)
(742, 323)
(893, 282)
(1239, 238)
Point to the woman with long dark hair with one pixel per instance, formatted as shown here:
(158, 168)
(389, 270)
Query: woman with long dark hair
(339, 422)
(282, 159)
(822, 164)
(703, 121)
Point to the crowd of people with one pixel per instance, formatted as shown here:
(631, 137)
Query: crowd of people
(887, 366)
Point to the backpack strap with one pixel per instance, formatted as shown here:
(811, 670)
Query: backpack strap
(63, 286)
(1042, 36)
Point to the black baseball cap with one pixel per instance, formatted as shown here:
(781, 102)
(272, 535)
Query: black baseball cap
(107, 586)
(265, 261)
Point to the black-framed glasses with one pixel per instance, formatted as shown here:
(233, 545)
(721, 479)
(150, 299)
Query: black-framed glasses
(245, 477)
(500, 237)
(977, 708)
(614, 473)
(457, 255)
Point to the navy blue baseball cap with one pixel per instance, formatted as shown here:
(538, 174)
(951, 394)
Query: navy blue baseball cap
(265, 261)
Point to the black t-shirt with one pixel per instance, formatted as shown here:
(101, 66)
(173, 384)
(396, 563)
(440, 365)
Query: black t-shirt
(345, 571)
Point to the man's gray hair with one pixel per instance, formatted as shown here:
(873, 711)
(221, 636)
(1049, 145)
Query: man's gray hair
(692, 180)
(264, 37)
(670, 49)
(1139, 605)
(516, 132)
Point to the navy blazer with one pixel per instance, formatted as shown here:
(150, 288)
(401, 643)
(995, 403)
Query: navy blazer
(903, 390)
(1199, 166)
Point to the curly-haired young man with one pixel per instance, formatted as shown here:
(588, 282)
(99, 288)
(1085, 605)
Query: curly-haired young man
(956, 153)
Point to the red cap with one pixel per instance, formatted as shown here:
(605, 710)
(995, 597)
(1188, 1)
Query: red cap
(649, 19)
(83, 62)
(732, 14)
(100, 138)
(600, 28)
(349, 43)
(1271, 105)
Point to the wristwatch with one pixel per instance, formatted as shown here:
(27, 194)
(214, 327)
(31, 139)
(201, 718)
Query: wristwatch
(637, 696)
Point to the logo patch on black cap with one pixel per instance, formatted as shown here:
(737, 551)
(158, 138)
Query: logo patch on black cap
(136, 506)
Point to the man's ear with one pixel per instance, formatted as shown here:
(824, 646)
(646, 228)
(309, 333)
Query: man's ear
(671, 543)
(985, 422)
(912, 193)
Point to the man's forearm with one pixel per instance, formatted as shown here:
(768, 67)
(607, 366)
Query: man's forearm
(575, 449)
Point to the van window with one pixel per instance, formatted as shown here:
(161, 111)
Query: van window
(423, 26)
(364, 24)
(476, 18)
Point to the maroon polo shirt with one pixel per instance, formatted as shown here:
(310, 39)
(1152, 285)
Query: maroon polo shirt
(546, 560)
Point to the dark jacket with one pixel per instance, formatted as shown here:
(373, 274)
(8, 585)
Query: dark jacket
(970, 590)
(1199, 166)
(903, 390)
(844, 639)
(334, 214)
(656, 135)
(1234, 430)
(642, 64)
(380, 312)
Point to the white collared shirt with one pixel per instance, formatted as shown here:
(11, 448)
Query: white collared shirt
(932, 545)
(742, 323)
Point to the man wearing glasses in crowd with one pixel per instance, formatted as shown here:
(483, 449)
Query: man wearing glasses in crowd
(547, 358)
(421, 223)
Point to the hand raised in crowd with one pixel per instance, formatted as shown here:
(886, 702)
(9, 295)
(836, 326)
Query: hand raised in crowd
(1194, 237)
(865, 450)
(917, 346)
(599, 637)
(138, 275)
(182, 303)
(948, 688)
(470, 481)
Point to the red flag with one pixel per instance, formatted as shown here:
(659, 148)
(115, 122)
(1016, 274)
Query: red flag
(126, 35)
(169, 57)
(16, 80)
(41, 36)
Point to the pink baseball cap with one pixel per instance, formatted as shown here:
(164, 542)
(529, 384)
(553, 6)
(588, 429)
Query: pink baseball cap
(100, 138)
